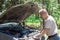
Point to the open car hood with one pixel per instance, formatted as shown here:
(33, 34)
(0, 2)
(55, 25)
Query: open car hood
(19, 12)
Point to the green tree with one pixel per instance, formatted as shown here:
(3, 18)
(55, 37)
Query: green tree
(1, 2)
(58, 1)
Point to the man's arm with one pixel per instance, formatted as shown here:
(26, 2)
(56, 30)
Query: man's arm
(44, 31)
(48, 25)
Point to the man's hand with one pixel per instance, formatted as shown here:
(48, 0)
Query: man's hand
(37, 36)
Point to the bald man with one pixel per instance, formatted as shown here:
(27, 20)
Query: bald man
(50, 26)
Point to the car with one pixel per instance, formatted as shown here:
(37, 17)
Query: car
(15, 31)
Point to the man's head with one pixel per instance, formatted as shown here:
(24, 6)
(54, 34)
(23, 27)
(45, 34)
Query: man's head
(43, 13)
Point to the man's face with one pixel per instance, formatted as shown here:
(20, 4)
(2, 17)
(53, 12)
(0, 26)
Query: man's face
(43, 15)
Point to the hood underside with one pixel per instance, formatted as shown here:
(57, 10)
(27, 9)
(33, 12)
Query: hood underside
(19, 12)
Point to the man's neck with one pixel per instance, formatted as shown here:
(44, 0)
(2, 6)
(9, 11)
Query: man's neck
(46, 17)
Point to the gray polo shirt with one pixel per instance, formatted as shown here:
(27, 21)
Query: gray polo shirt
(51, 24)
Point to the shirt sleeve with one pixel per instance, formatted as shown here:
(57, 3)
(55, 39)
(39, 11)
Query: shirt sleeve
(48, 24)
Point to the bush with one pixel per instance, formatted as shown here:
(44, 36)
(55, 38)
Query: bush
(58, 23)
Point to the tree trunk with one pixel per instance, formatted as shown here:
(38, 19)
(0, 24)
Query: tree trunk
(1, 2)
(58, 1)
(43, 2)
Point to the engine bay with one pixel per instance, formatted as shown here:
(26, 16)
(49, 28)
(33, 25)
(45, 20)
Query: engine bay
(15, 30)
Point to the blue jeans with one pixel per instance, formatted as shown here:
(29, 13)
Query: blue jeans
(56, 37)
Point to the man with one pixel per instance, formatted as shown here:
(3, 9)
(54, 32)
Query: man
(50, 26)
